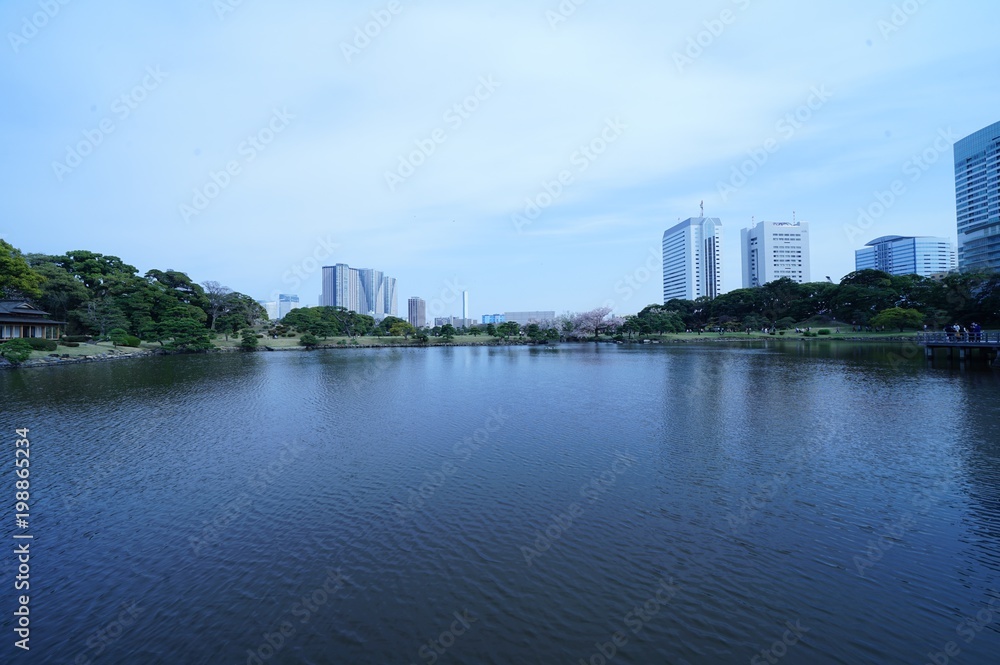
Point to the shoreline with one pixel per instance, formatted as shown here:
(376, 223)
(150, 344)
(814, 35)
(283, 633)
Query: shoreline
(111, 355)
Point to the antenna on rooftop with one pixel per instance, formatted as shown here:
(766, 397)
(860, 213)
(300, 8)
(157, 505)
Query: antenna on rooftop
(703, 208)
(793, 217)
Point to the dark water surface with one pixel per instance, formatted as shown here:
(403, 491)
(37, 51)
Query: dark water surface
(697, 501)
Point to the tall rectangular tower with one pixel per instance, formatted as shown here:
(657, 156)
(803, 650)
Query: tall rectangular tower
(977, 198)
(692, 259)
(772, 250)
(417, 312)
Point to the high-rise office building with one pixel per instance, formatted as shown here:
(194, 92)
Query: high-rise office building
(692, 259)
(465, 304)
(905, 255)
(286, 303)
(772, 250)
(361, 290)
(977, 197)
(417, 312)
(271, 307)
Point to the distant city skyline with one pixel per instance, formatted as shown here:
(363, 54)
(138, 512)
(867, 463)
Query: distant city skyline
(258, 152)
(361, 290)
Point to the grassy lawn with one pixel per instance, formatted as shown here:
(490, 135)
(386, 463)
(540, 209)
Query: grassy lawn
(89, 349)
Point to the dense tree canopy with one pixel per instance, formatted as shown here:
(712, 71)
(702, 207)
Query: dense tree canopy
(17, 279)
(857, 300)
(96, 293)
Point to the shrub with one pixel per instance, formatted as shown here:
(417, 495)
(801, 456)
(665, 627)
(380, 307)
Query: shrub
(781, 332)
(76, 338)
(308, 340)
(249, 339)
(129, 340)
(15, 351)
(823, 331)
(39, 344)
(71, 345)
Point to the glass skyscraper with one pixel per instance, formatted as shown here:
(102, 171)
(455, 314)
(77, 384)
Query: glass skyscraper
(360, 290)
(902, 255)
(977, 196)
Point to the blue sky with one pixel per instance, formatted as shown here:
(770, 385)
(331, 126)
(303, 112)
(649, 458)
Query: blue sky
(252, 141)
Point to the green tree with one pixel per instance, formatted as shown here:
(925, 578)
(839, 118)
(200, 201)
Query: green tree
(182, 289)
(631, 325)
(534, 332)
(186, 334)
(309, 341)
(475, 331)
(508, 330)
(218, 299)
(657, 319)
(230, 324)
(401, 329)
(178, 331)
(898, 317)
(248, 339)
(61, 291)
(17, 279)
(95, 270)
(384, 326)
(15, 351)
(117, 336)
(447, 332)
(103, 315)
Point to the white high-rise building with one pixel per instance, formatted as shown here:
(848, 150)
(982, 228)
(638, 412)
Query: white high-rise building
(465, 304)
(772, 250)
(692, 259)
(271, 307)
(286, 303)
(360, 290)
(905, 255)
